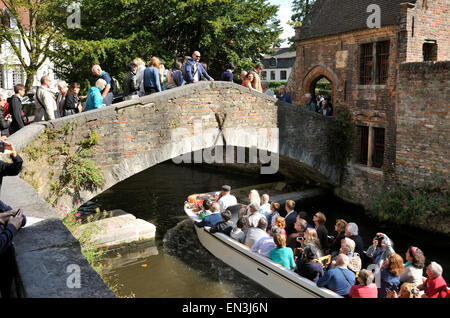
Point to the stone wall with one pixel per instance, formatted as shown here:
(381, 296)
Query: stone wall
(423, 125)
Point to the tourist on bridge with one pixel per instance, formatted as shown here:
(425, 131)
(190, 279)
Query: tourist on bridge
(72, 104)
(311, 104)
(228, 76)
(130, 84)
(63, 88)
(15, 109)
(225, 198)
(283, 95)
(107, 92)
(243, 77)
(5, 118)
(266, 90)
(195, 70)
(94, 99)
(140, 75)
(152, 79)
(44, 102)
(257, 82)
(175, 76)
(249, 81)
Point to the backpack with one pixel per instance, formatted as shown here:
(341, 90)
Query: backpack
(5, 108)
(115, 87)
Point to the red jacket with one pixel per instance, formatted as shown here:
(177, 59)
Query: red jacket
(436, 288)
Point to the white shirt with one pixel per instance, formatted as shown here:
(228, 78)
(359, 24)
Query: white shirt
(196, 72)
(226, 201)
(265, 210)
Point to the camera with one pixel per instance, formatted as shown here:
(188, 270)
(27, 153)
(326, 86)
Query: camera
(379, 239)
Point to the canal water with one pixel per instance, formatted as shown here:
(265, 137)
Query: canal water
(178, 266)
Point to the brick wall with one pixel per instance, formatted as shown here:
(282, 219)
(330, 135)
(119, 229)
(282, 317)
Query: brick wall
(423, 129)
(427, 20)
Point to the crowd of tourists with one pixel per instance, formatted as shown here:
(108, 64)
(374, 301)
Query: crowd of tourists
(338, 262)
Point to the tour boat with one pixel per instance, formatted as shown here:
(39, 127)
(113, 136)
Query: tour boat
(272, 276)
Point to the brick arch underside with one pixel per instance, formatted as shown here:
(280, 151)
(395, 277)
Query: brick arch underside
(315, 74)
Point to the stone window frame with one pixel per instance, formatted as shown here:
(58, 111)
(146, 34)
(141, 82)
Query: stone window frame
(273, 76)
(371, 145)
(375, 61)
(283, 78)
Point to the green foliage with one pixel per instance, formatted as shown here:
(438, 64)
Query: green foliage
(341, 135)
(112, 33)
(301, 9)
(410, 206)
(90, 141)
(79, 173)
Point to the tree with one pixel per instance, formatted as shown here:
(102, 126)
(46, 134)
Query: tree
(31, 22)
(112, 33)
(301, 9)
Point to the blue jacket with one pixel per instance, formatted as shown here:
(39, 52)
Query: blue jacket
(151, 78)
(210, 220)
(189, 74)
(286, 98)
(94, 99)
(339, 280)
(387, 281)
(227, 76)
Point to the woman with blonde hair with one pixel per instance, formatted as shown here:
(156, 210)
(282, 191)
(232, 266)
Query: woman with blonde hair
(254, 197)
(390, 274)
(281, 223)
(311, 238)
(282, 255)
(152, 80)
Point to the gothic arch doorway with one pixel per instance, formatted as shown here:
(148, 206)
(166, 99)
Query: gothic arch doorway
(321, 80)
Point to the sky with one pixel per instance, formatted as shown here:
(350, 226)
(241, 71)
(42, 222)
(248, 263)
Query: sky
(284, 15)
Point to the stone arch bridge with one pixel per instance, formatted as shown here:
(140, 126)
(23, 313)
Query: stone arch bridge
(129, 137)
(136, 135)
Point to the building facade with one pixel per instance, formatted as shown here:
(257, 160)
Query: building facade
(278, 66)
(338, 42)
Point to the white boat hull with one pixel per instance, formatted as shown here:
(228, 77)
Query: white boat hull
(274, 277)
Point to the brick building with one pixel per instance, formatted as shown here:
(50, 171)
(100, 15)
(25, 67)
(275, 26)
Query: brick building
(359, 46)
